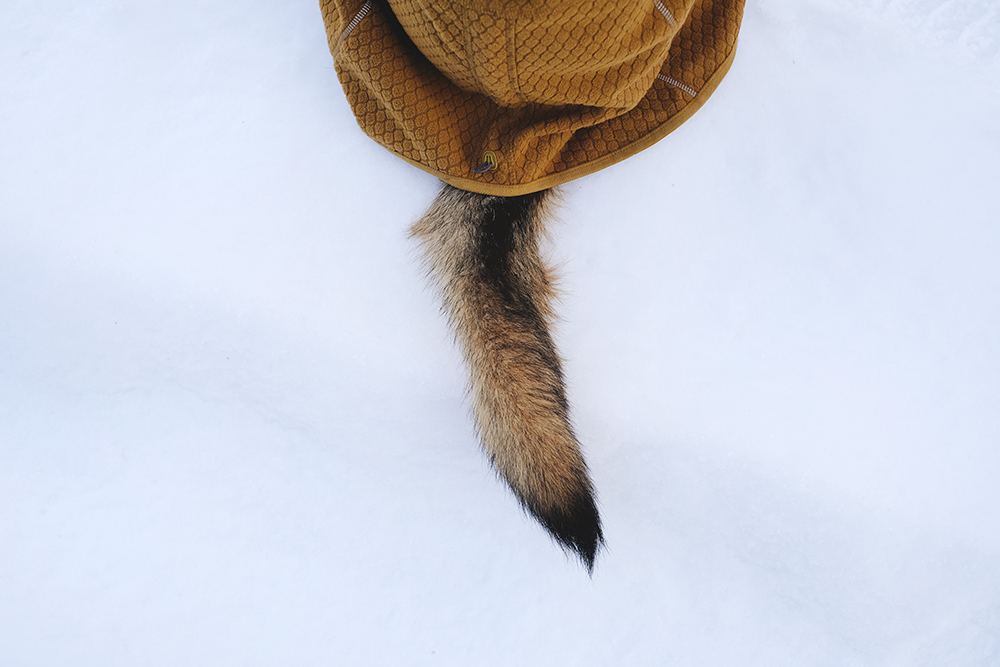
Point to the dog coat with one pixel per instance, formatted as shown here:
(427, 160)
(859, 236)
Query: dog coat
(507, 97)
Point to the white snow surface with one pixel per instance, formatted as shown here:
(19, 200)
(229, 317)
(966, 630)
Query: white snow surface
(233, 424)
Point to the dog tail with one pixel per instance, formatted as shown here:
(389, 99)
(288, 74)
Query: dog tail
(483, 253)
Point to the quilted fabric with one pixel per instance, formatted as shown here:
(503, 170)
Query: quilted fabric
(508, 97)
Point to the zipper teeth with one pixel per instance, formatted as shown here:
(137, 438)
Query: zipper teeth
(358, 18)
(666, 13)
(677, 84)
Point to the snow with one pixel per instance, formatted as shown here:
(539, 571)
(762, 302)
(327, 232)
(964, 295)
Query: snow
(232, 423)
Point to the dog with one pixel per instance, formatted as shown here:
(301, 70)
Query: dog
(504, 101)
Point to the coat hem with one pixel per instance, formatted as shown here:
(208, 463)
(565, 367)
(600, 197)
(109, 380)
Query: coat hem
(602, 162)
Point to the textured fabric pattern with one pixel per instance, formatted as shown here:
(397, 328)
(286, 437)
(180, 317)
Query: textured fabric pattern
(552, 89)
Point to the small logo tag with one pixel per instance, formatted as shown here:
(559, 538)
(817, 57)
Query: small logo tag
(489, 162)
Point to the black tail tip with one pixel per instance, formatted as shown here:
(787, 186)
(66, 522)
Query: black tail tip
(576, 528)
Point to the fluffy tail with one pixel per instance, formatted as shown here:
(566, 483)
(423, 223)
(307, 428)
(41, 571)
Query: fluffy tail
(483, 252)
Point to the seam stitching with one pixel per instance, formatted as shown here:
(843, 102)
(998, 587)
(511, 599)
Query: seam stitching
(358, 18)
(677, 84)
(666, 13)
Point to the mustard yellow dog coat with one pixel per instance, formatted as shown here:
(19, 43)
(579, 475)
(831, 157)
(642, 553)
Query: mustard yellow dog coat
(507, 97)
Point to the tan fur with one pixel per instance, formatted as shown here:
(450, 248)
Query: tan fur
(498, 295)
